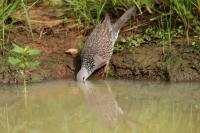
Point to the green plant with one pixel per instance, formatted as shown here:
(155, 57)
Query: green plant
(135, 41)
(7, 9)
(87, 11)
(54, 2)
(110, 73)
(131, 42)
(184, 9)
(26, 16)
(118, 47)
(164, 33)
(90, 11)
(22, 58)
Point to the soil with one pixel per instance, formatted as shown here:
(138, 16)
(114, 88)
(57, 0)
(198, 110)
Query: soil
(149, 63)
(53, 36)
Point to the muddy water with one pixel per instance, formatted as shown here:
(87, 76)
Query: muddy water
(101, 107)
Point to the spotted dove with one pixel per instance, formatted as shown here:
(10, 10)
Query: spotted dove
(98, 47)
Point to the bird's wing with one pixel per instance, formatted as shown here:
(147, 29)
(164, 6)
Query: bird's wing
(99, 40)
(99, 62)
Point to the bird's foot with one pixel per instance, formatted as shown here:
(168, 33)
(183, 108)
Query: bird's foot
(105, 72)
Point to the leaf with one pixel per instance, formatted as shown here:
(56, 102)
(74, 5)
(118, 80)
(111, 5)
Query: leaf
(148, 3)
(17, 48)
(34, 63)
(33, 52)
(22, 66)
(26, 14)
(13, 60)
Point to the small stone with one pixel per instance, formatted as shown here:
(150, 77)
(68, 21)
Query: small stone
(72, 51)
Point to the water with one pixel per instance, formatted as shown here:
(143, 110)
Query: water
(113, 106)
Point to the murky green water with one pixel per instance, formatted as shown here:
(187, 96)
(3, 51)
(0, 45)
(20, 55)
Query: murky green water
(101, 107)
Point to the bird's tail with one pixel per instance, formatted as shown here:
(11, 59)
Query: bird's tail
(124, 18)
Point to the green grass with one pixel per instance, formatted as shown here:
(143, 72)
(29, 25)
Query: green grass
(91, 12)
(185, 12)
(87, 11)
(7, 9)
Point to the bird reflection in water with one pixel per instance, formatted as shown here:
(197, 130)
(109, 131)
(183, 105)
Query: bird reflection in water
(103, 104)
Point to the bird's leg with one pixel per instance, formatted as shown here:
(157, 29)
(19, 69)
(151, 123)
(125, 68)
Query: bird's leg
(99, 63)
(105, 71)
(101, 72)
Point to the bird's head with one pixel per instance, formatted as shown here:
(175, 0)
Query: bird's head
(82, 75)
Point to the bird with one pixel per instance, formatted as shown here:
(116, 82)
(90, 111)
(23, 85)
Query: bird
(98, 47)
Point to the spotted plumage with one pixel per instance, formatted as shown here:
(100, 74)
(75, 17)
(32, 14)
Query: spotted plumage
(98, 47)
(88, 63)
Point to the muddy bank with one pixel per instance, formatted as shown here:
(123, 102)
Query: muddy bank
(150, 63)
(142, 63)
(53, 36)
